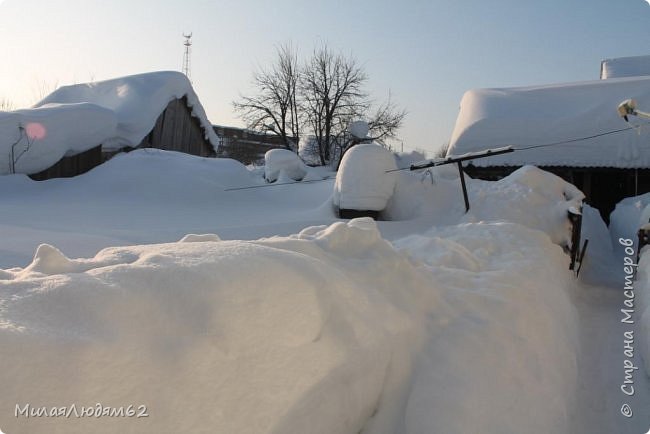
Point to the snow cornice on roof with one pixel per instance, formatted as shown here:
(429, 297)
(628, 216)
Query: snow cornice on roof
(573, 115)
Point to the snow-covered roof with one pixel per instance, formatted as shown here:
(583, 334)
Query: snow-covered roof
(42, 136)
(634, 66)
(583, 114)
(137, 101)
(112, 113)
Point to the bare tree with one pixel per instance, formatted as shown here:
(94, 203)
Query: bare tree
(6, 105)
(332, 90)
(275, 108)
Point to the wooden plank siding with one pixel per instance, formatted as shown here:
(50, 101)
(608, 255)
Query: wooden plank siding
(175, 130)
(72, 166)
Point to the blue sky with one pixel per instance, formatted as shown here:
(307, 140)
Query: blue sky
(427, 53)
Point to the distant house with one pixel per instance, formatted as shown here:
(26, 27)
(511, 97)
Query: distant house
(572, 130)
(244, 145)
(153, 110)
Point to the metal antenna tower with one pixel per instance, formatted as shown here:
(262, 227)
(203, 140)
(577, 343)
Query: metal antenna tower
(187, 57)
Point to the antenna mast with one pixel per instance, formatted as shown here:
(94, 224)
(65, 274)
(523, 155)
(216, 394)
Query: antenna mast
(187, 57)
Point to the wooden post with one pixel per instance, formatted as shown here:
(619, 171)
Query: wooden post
(462, 183)
(575, 217)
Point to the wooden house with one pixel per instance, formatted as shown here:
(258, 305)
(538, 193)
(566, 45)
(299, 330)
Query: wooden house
(572, 130)
(156, 110)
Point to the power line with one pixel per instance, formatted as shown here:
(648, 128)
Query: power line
(579, 139)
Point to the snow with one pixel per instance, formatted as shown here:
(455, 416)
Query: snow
(633, 66)
(630, 215)
(113, 113)
(51, 132)
(258, 311)
(359, 129)
(137, 101)
(539, 115)
(362, 182)
(283, 163)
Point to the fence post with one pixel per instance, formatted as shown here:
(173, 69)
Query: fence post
(575, 217)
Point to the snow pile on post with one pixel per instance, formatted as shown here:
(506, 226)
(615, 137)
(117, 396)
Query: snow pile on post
(283, 163)
(42, 136)
(362, 182)
(540, 115)
(634, 66)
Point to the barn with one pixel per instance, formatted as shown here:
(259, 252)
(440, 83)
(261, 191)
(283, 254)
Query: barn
(153, 110)
(572, 130)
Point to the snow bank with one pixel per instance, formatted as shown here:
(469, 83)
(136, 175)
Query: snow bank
(505, 361)
(536, 199)
(49, 133)
(627, 218)
(633, 66)
(283, 163)
(528, 116)
(332, 329)
(137, 101)
(362, 182)
(300, 334)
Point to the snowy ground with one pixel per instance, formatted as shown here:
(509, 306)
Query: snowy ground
(458, 323)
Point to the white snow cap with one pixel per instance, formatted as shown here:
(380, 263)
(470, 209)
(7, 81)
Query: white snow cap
(137, 101)
(359, 129)
(283, 161)
(362, 182)
(634, 66)
(526, 116)
(74, 119)
(49, 133)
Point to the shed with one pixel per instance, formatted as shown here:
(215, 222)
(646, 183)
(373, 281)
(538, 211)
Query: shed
(572, 130)
(157, 110)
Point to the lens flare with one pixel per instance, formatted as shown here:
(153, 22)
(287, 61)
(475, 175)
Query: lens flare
(35, 131)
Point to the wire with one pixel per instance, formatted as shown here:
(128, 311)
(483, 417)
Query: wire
(563, 142)
(250, 187)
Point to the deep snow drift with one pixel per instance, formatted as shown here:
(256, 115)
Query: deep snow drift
(332, 329)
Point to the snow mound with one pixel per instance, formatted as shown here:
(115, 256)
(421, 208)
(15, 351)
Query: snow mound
(199, 238)
(362, 182)
(136, 101)
(51, 132)
(296, 328)
(283, 161)
(542, 202)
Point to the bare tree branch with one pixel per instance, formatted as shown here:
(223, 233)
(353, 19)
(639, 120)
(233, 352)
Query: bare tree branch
(275, 107)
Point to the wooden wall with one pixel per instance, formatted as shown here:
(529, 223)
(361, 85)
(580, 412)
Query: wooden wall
(72, 166)
(177, 130)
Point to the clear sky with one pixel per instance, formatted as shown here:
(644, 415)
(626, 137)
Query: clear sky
(427, 53)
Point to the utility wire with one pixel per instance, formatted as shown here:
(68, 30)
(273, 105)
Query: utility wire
(563, 142)
(250, 187)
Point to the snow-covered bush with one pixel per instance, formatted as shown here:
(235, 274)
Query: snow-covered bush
(283, 160)
(363, 181)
